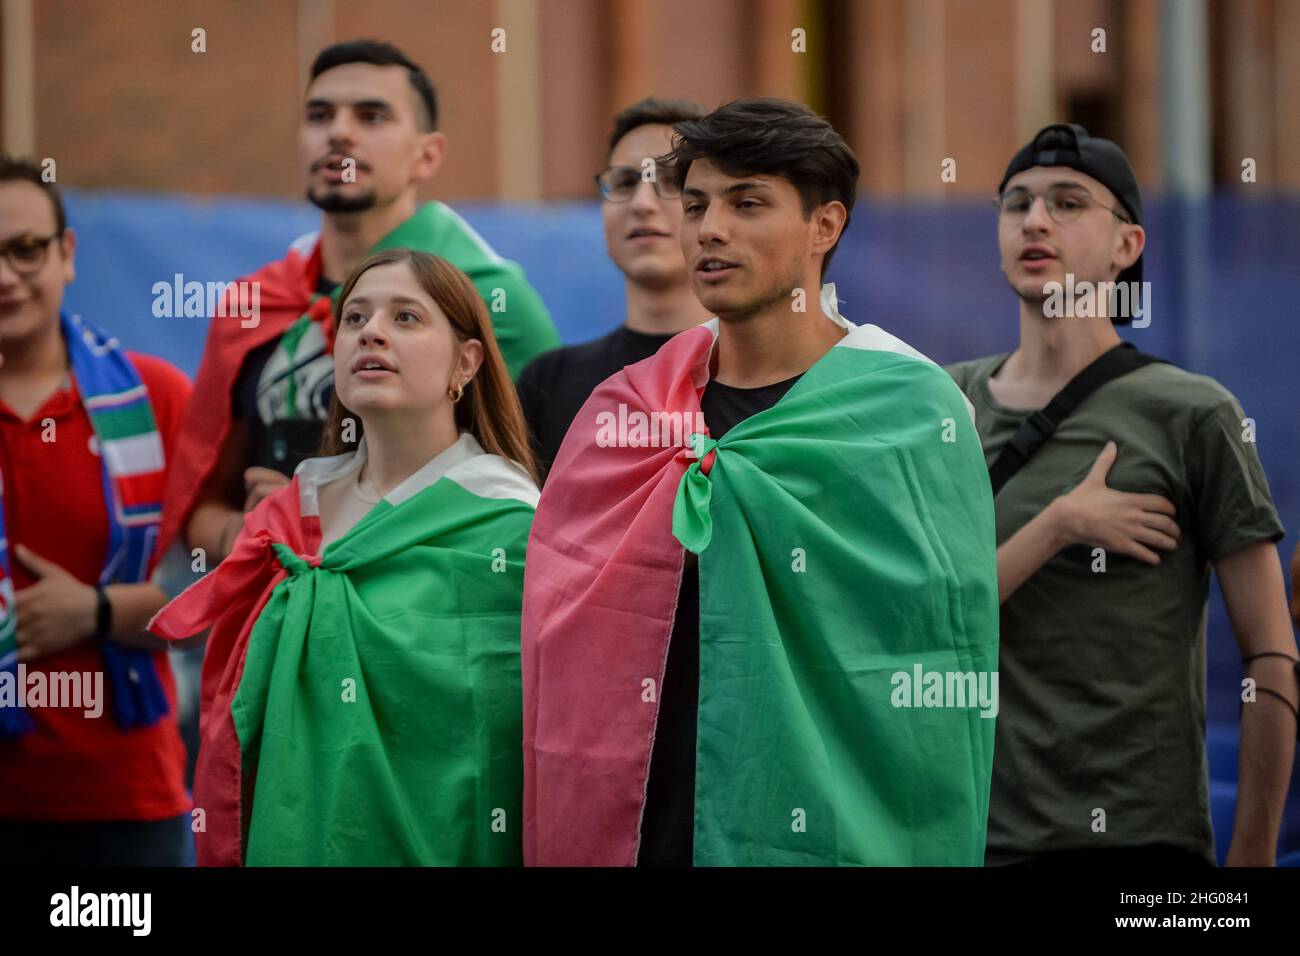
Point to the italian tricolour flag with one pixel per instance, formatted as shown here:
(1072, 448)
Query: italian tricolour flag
(361, 706)
(844, 535)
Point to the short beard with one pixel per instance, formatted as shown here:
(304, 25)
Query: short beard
(784, 292)
(749, 312)
(334, 203)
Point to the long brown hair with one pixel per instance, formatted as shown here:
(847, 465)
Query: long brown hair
(490, 409)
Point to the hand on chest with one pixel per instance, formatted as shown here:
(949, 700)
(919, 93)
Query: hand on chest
(1149, 461)
(1146, 462)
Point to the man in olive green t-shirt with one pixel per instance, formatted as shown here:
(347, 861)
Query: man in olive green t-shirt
(1106, 537)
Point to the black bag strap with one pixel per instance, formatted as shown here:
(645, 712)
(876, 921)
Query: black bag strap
(1038, 427)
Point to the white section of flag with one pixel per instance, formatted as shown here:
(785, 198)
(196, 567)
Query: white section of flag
(138, 455)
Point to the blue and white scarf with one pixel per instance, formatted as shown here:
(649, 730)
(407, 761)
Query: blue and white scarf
(131, 460)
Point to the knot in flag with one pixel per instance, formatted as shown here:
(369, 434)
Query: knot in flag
(692, 525)
(291, 562)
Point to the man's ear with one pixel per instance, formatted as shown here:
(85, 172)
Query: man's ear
(1133, 239)
(432, 151)
(68, 243)
(827, 222)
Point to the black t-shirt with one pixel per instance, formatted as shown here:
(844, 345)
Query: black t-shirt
(668, 822)
(554, 386)
(284, 397)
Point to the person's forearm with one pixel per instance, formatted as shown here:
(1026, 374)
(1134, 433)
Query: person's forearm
(1268, 740)
(213, 527)
(1021, 555)
(1251, 580)
(133, 606)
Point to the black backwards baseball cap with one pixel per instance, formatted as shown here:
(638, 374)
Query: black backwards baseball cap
(1063, 144)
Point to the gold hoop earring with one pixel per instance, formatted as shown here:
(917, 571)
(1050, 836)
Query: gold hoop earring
(457, 395)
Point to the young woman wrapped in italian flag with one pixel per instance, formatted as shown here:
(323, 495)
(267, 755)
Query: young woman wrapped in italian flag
(361, 688)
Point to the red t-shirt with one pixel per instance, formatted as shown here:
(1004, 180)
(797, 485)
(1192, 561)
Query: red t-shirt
(73, 767)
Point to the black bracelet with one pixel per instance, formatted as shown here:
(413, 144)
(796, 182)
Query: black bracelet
(1273, 693)
(1290, 706)
(103, 613)
(1254, 657)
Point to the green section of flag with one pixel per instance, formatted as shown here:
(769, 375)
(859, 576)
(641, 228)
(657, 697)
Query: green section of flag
(8, 634)
(379, 712)
(841, 541)
(520, 321)
(126, 422)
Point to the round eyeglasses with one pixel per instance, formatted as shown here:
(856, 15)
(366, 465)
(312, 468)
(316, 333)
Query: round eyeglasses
(1065, 203)
(619, 183)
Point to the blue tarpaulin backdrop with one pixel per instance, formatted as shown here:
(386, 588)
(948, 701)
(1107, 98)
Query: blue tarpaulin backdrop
(1225, 281)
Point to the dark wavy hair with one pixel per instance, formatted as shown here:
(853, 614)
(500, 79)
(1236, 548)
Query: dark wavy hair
(653, 111)
(774, 137)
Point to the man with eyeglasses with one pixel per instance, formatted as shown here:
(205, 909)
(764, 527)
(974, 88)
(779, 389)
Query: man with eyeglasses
(642, 214)
(91, 761)
(1119, 481)
(368, 141)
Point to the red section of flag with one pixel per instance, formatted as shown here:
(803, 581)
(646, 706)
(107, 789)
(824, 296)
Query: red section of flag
(600, 595)
(229, 600)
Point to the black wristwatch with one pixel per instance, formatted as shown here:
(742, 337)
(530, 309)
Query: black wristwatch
(103, 613)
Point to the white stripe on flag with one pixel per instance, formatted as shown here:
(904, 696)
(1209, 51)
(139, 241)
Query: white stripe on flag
(491, 476)
(100, 402)
(142, 520)
(138, 455)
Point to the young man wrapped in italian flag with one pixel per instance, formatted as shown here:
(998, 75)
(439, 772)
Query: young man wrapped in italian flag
(753, 550)
(360, 694)
(368, 141)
